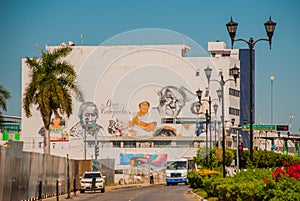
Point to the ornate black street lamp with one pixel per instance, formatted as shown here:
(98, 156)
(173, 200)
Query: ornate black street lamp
(215, 106)
(232, 27)
(220, 93)
(207, 120)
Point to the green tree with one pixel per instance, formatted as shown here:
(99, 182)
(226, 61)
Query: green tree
(4, 95)
(53, 82)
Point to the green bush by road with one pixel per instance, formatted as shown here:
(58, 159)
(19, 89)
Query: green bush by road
(270, 176)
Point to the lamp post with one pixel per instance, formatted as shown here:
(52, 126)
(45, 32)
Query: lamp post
(208, 71)
(207, 120)
(220, 93)
(207, 117)
(215, 106)
(232, 27)
(85, 130)
(237, 145)
(272, 78)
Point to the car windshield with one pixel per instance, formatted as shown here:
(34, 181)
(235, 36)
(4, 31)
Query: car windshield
(92, 175)
(176, 165)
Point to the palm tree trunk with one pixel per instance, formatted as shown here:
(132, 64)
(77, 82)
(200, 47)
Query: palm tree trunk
(46, 121)
(47, 141)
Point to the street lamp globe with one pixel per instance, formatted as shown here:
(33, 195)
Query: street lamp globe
(219, 93)
(270, 27)
(231, 28)
(235, 72)
(207, 71)
(215, 106)
(199, 94)
(272, 78)
(232, 121)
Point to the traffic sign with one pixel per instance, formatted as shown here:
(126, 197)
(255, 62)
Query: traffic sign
(246, 127)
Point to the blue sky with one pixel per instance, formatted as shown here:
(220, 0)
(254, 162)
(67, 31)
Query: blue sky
(27, 23)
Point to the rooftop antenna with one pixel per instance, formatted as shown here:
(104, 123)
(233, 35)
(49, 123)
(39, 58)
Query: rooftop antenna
(183, 41)
(81, 37)
(183, 49)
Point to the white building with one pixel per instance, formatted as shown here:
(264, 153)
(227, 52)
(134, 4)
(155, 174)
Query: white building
(116, 79)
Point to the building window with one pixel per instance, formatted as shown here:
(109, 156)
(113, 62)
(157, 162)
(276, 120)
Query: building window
(234, 111)
(226, 55)
(160, 144)
(234, 92)
(116, 144)
(128, 144)
(184, 143)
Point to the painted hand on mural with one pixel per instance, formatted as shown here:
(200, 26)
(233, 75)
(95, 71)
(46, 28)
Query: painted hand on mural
(141, 120)
(117, 127)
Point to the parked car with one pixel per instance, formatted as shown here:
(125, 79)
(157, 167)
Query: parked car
(92, 180)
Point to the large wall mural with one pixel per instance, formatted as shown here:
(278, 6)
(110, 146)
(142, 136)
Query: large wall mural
(146, 121)
(130, 91)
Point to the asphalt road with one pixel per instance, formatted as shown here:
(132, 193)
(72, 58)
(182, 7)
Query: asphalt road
(139, 193)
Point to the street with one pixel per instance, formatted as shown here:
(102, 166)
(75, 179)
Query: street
(142, 193)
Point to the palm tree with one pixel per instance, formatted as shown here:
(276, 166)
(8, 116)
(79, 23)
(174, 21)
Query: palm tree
(53, 82)
(4, 95)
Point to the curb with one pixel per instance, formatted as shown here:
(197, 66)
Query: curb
(197, 196)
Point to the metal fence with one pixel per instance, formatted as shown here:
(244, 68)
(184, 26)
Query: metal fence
(27, 175)
(34, 176)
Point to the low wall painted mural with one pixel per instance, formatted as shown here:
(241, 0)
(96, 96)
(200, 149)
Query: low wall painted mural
(143, 160)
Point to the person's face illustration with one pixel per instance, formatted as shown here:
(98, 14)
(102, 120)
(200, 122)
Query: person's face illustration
(144, 107)
(172, 103)
(89, 116)
(56, 121)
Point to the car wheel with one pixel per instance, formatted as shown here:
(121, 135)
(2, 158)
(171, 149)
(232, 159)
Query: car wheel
(82, 191)
(103, 190)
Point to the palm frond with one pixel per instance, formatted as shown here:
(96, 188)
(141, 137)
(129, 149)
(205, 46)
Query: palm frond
(4, 95)
(52, 84)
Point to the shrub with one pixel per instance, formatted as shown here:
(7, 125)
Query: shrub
(278, 177)
(285, 188)
(195, 179)
(202, 193)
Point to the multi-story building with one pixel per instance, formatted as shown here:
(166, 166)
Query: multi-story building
(140, 103)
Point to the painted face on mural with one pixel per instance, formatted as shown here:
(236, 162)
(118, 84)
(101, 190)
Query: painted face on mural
(90, 115)
(144, 107)
(171, 102)
(56, 122)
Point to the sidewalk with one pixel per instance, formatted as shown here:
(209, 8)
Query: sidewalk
(79, 196)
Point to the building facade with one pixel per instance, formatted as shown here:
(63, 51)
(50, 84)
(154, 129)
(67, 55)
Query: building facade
(140, 104)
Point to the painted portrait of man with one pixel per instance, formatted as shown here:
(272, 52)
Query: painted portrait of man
(172, 99)
(171, 102)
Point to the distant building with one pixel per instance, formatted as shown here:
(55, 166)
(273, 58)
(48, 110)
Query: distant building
(10, 127)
